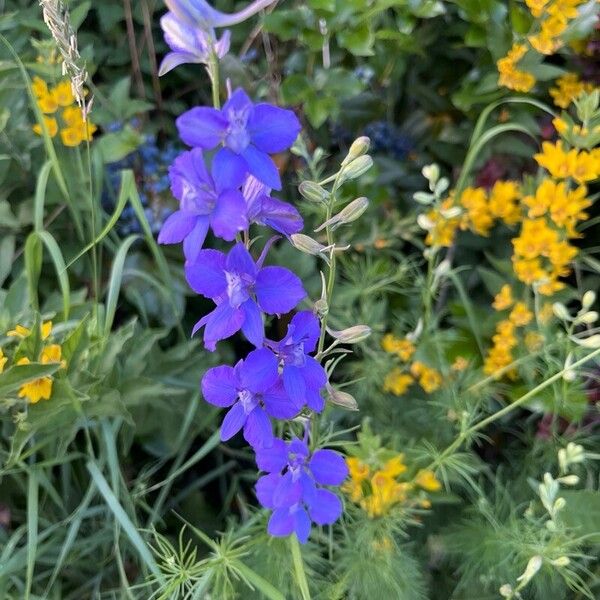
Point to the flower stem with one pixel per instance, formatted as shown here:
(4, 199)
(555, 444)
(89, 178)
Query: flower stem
(213, 73)
(301, 579)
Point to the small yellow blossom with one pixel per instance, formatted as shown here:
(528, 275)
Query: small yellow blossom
(512, 77)
(36, 390)
(51, 126)
(429, 379)
(568, 88)
(426, 479)
(520, 315)
(397, 382)
(63, 93)
(394, 467)
(3, 360)
(402, 347)
(503, 299)
(460, 364)
(503, 202)
(554, 159)
(22, 332)
(39, 87)
(478, 216)
(71, 136)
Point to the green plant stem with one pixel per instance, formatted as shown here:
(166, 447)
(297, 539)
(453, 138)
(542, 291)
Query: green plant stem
(213, 73)
(463, 436)
(301, 579)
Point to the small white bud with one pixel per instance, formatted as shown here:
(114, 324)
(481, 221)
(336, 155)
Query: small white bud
(506, 590)
(425, 222)
(423, 198)
(306, 244)
(533, 566)
(559, 504)
(359, 166)
(569, 480)
(561, 561)
(588, 318)
(588, 299)
(353, 211)
(313, 191)
(351, 335)
(560, 310)
(342, 399)
(591, 342)
(431, 173)
(359, 147)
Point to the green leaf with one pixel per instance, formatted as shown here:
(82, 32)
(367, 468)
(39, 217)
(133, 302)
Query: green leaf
(358, 41)
(582, 512)
(116, 146)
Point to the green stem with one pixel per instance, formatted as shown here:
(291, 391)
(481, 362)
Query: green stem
(301, 579)
(213, 73)
(507, 409)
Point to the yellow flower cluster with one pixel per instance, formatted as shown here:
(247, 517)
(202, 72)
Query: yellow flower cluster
(511, 76)
(568, 88)
(441, 229)
(397, 381)
(580, 165)
(61, 113)
(37, 389)
(378, 490)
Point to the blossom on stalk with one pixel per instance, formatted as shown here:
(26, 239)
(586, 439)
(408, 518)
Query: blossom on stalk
(292, 486)
(254, 391)
(241, 289)
(249, 133)
(265, 210)
(303, 377)
(205, 201)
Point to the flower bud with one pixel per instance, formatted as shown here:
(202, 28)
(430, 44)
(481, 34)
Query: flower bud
(423, 198)
(431, 173)
(313, 191)
(588, 299)
(342, 399)
(353, 211)
(560, 310)
(591, 342)
(559, 504)
(506, 590)
(588, 318)
(533, 566)
(561, 561)
(306, 244)
(351, 335)
(359, 147)
(425, 222)
(359, 166)
(569, 480)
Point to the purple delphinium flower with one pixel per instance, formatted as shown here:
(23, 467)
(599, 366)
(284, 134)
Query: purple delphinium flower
(204, 16)
(189, 43)
(248, 132)
(241, 289)
(205, 201)
(291, 487)
(253, 390)
(303, 376)
(265, 210)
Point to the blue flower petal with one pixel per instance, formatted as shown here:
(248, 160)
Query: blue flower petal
(223, 322)
(237, 102)
(278, 403)
(219, 386)
(326, 508)
(192, 244)
(281, 523)
(261, 165)
(328, 467)
(306, 329)
(234, 420)
(228, 170)
(206, 275)
(265, 488)
(240, 261)
(202, 127)
(253, 327)
(273, 129)
(294, 385)
(177, 226)
(278, 290)
(278, 215)
(288, 491)
(257, 430)
(274, 459)
(259, 371)
(229, 215)
(301, 525)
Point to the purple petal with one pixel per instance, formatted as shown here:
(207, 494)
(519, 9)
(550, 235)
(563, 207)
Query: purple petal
(294, 385)
(229, 215)
(305, 328)
(265, 488)
(176, 227)
(281, 523)
(261, 165)
(174, 59)
(192, 245)
(326, 508)
(206, 275)
(258, 371)
(301, 525)
(288, 491)
(278, 215)
(273, 129)
(309, 488)
(219, 386)
(222, 323)
(314, 399)
(328, 467)
(257, 430)
(240, 261)
(202, 126)
(237, 102)
(278, 290)
(314, 374)
(278, 403)
(228, 170)
(253, 327)
(190, 182)
(274, 459)
(234, 420)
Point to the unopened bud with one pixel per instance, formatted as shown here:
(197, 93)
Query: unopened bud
(560, 310)
(353, 211)
(425, 222)
(431, 173)
(506, 590)
(313, 191)
(561, 561)
(306, 244)
(351, 335)
(342, 399)
(588, 299)
(591, 342)
(423, 198)
(359, 147)
(451, 213)
(559, 504)
(533, 566)
(321, 307)
(359, 166)
(588, 318)
(569, 480)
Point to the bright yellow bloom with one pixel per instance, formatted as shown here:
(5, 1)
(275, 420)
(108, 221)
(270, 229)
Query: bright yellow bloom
(503, 202)
(520, 315)
(3, 360)
(358, 470)
(528, 271)
(583, 166)
(568, 88)
(36, 390)
(426, 479)
(403, 347)
(554, 159)
(545, 194)
(397, 382)
(478, 216)
(443, 230)
(47, 103)
(536, 7)
(63, 93)
(51, 126)
(535, 239)
(71, 136)
(22, 332)
(39, 87)
(429, 379)
(503, 299)
(394, 467)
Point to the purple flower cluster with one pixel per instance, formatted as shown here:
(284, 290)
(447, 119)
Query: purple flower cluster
(223, 184)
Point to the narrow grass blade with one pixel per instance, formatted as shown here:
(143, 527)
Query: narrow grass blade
(32, 528)
(40, 196)
(299, 573)
(60, 268)
(258, 582)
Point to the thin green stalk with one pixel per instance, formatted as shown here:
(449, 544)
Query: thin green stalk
(301, 579)
(213, 73)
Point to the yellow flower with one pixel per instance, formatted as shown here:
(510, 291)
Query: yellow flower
(71, 136)
(528, 271)
(72, 116)
(52, 353)
(3, 360)
(460, 364)
(583, 166)
(394, 467)
(429, 379)
(22, 332)
(51, 126)
(478, 216)
(39, 87)
(568, 88)
(63, 93)
(503, 202)
(426, 479)
(503, 299)
(533, 341)
(545, 194)
(510, 76)
(520, 315)
(536, 7)
(404, 348)
(443, 230)
(554, 159)
(36, 390)
(397, 382)
(358, 470)
(560, 125)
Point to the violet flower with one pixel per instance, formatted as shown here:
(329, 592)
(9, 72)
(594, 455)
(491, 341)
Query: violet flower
(303, 377)
(265, 210)
(291, 488)
(241, 289)
(253, 390)
(248, 132)
(205, 201)
(203, 15)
